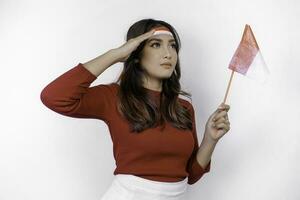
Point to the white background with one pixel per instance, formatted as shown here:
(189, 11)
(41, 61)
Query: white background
(44, 155)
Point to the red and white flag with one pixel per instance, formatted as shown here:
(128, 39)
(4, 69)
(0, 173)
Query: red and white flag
(247, 59)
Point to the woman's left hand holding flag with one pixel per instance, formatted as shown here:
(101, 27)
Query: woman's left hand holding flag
(218, 124)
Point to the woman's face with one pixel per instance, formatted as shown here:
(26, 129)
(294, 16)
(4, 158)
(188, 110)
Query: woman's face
(159, 49)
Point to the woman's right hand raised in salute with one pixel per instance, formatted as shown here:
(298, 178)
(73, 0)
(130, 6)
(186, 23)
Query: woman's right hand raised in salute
(126, 49)
(99, 64)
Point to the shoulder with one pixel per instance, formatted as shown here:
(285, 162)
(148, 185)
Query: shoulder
(104, 91)
(108, 87)
(186, 102)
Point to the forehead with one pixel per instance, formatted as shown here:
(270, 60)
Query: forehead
(161, 38)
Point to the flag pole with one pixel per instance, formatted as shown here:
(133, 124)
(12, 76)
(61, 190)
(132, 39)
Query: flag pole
(228, 86)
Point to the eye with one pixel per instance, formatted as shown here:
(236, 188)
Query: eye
(154, 44)
(174, 45)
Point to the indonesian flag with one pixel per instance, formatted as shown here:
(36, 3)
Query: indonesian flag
(247, 59)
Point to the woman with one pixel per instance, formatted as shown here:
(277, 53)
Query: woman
(153, 131)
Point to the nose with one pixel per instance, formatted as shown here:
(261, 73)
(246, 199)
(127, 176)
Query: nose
(167, 53)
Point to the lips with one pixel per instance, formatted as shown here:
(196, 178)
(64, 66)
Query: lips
(167, 64)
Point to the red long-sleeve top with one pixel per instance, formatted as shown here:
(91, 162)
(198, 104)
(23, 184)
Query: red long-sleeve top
(167, 155)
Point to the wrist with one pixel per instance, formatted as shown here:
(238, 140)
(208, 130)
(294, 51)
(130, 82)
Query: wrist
(115, 55)
(208, 140)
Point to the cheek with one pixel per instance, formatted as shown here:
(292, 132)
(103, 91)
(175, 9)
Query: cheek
(150, 59)
(175, 56)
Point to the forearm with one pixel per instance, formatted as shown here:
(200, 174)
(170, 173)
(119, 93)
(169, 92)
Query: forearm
(205, 151)
(99, 64)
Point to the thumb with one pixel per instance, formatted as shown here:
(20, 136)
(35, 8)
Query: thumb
(213, 115)
(219, 109)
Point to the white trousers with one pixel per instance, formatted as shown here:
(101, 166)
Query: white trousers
(130, 187)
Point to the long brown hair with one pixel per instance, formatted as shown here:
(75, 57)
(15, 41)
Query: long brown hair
(134, 103)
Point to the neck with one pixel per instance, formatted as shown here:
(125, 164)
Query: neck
(153, 85)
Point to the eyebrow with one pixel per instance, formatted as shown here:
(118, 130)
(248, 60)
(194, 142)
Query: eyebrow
(157, 39)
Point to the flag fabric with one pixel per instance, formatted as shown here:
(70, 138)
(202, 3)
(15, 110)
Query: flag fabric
(247, 59)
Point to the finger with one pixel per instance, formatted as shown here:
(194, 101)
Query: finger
(218, 126)
(220, 109)
(145, 36)
(223, 106)
(221, 120)
(218, 115)
(222, 126)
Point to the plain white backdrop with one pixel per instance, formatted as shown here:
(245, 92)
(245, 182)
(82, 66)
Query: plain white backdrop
(44, 155)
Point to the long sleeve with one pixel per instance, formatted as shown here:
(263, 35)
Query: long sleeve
(194, 169)
(70, 95)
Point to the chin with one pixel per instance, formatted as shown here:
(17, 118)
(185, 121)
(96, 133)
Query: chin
(166, 76)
